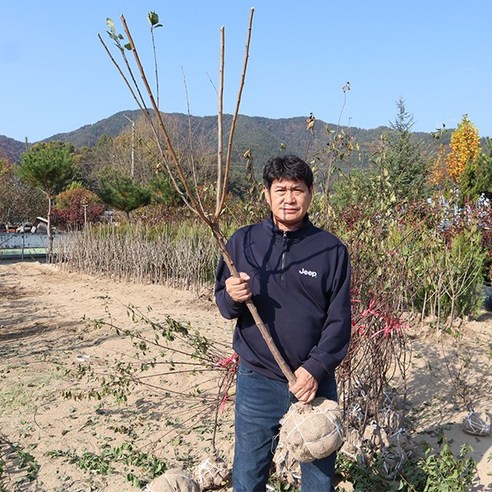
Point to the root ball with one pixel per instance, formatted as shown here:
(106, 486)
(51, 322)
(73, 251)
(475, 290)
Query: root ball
(212, 473)
(174, 480)
(312, 431)
(477, 424)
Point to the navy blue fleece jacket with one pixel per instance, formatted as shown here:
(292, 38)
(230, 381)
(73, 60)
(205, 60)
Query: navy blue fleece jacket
(300, 282)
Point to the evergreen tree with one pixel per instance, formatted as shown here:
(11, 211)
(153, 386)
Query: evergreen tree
(121, 192)
(49, 167)
(404, 162)
(163, 192)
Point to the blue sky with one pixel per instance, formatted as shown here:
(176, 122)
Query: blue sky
(437, 55)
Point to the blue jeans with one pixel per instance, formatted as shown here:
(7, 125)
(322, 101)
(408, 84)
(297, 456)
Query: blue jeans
(260, 404)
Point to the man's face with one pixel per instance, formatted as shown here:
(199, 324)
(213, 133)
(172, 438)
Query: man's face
(289, 201)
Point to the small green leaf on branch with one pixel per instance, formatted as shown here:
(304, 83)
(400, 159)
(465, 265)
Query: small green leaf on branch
(153, 19)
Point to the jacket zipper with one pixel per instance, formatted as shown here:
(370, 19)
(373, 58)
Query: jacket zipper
(284, 253)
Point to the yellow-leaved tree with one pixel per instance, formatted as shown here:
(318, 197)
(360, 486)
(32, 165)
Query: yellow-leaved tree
(465, 149)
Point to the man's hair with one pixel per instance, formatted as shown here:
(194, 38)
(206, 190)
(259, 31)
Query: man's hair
(287, 167)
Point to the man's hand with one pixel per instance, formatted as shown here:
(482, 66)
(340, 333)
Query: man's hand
(305, 387)
(238, 288)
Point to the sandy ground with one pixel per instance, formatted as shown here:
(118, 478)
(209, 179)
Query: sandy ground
(49, 329)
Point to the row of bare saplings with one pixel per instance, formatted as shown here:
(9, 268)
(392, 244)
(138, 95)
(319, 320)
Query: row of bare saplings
(178, 255)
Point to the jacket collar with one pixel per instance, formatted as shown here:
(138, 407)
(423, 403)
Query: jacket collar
(298, 233)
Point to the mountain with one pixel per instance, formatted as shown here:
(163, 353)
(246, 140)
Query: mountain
(11, 149)
(262, 136)
(88, 135)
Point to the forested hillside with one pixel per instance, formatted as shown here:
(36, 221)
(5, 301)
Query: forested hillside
(264, 137)
(10, 149)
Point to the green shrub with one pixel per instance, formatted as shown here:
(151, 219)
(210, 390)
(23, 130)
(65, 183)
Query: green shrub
(450, 274)
(437, 471)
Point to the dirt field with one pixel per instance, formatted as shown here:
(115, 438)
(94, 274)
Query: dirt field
(48, 330)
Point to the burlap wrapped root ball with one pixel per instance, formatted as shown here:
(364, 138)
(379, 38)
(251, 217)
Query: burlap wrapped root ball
(212, 473)
(394, 457)
(174, 480)
(477, 424)
(287, 468)
(404, 440)
(312, 431)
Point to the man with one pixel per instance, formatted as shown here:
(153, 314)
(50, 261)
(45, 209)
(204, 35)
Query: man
(298, 277)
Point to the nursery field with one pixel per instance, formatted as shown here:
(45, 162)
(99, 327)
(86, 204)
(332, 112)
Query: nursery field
(53, 322)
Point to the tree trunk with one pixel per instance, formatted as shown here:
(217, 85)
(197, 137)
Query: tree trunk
(48, 231)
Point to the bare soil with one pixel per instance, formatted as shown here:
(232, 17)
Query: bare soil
(49, 328)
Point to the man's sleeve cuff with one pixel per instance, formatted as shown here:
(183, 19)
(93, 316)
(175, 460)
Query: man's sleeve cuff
(315, 368)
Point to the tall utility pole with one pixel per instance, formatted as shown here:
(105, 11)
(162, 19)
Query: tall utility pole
(133, 144)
